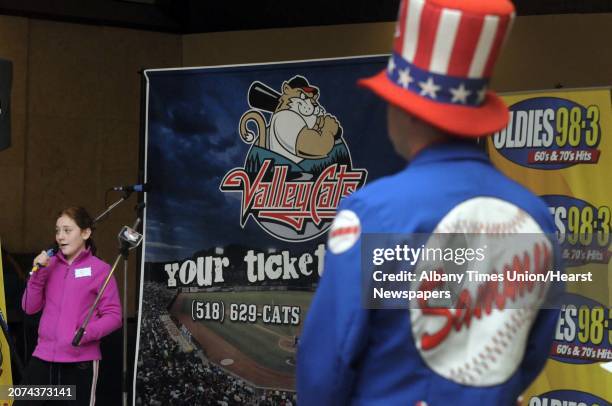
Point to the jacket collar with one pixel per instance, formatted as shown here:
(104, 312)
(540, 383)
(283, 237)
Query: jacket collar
(86, 253)
(448, 151)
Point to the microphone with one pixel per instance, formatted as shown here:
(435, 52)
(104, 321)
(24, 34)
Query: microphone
(50, 253)
(144, 187)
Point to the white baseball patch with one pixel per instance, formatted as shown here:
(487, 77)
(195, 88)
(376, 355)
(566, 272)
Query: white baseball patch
(482, 342)
(344, 232)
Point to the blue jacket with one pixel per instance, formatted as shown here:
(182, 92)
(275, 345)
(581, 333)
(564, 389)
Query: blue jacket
(351, 355)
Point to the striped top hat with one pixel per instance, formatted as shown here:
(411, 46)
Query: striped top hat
(443, 55)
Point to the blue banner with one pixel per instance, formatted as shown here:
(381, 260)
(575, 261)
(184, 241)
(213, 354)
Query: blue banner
(247, 165)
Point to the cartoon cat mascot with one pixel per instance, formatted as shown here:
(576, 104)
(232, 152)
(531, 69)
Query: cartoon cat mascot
(299, 127)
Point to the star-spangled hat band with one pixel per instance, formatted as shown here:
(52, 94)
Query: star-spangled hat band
(443, 55)
(441, 88)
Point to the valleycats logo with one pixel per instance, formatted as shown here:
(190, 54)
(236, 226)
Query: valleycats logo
(298, 167)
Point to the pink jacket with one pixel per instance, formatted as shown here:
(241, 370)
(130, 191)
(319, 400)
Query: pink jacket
(65, 293)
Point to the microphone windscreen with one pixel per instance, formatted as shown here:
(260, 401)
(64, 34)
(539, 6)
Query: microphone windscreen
(53, 250)
(142, 188)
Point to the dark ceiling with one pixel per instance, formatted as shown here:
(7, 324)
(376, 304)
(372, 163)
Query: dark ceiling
(198, 16)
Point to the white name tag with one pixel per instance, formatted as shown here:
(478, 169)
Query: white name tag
(81, 272)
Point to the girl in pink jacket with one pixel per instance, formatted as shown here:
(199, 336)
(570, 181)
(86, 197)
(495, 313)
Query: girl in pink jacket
(64, 288)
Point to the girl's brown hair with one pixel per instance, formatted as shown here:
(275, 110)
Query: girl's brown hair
(82, 219)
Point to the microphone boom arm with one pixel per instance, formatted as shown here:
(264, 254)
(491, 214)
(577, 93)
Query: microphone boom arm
(79, 334)
(123, 253)
(125, 196)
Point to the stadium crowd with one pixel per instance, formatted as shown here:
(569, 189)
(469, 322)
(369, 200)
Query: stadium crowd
(167, 375)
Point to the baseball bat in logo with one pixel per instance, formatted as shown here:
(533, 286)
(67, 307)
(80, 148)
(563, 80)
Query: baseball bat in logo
(263, 97)
(298, 167)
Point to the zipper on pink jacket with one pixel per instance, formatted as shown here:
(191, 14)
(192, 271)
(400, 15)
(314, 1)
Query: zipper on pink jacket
(61, 307)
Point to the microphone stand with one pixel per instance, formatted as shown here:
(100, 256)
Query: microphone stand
(11, 345)
(124, 248)
(129, 239)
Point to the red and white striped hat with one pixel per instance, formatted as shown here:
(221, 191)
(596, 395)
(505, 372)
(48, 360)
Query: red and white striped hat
(443, 55)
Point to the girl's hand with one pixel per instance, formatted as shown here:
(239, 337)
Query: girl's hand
(42, 259)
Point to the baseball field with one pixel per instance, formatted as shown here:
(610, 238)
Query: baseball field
(263, 354)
